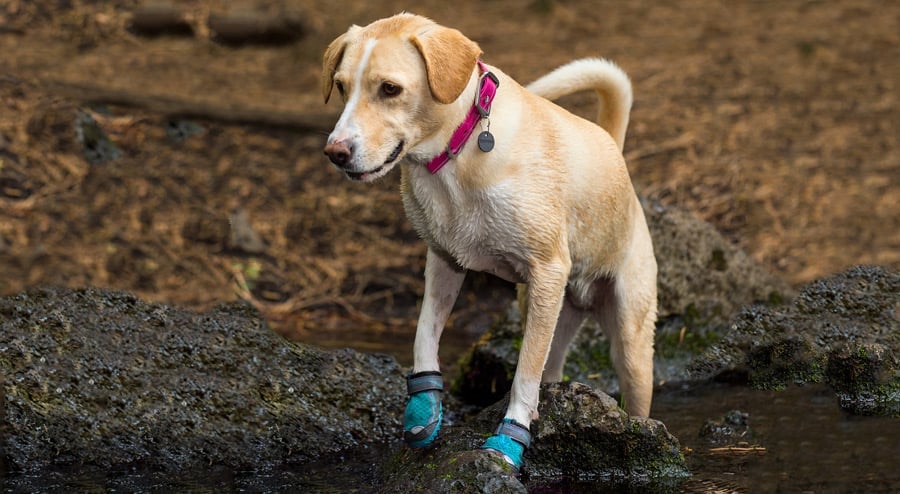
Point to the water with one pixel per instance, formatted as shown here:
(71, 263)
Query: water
(803, 443)
(807, 444)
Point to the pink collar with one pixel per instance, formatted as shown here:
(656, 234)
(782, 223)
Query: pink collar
(487, 88)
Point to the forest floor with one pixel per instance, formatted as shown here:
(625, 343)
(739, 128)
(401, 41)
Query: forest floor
(776, 122)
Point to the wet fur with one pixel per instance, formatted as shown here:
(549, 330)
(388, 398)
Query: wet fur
(550, 207)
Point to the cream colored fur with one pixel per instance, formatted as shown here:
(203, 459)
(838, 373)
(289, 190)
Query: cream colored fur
(551, 206)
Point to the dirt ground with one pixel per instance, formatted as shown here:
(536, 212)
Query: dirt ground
(776, 121)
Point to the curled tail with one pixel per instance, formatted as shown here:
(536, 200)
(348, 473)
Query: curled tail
(606, 78)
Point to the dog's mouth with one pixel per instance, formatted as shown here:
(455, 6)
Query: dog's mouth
(369, 175)
(394, 154)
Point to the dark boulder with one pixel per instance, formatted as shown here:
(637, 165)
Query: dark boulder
(843, 330)
(93, 377)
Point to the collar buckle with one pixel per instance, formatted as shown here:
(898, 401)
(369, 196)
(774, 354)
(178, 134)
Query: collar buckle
(482, 99)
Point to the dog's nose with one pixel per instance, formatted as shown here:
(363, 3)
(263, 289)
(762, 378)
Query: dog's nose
(338, 152)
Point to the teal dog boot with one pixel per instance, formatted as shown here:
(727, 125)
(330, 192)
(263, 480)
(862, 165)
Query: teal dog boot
(510, 440)
(424, 411)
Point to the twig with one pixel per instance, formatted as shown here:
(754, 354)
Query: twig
(740, 450)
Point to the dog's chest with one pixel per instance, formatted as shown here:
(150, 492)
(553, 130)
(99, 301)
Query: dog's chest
(478, 228)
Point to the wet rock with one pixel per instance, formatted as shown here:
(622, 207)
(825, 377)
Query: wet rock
(92, 377)
(843, 330)
(581, 434)
(866, 378)
(703, 282)
(487, 370)
(454, 465)
(730, 430)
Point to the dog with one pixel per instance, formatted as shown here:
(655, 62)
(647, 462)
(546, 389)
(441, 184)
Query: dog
(541, 198)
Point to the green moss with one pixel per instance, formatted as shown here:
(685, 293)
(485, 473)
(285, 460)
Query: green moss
(775, 298)
(671, 344)
(592, 358)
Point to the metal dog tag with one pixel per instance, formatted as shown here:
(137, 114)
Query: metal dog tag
(485, 141)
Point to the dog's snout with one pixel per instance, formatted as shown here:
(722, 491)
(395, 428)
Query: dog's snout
(339, 153)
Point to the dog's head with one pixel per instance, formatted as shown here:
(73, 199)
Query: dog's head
(393, 75)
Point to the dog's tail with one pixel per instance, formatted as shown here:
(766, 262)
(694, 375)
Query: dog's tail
(606, 78)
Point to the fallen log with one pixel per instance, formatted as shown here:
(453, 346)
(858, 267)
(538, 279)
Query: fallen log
(181, 107)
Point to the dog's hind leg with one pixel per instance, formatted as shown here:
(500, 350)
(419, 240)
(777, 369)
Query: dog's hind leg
(627, 314)
(424, 411)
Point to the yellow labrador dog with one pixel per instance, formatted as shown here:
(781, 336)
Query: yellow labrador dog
(497, 178)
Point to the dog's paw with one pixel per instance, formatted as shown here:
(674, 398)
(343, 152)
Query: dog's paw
(424, 411)
(422, 419)
(510, 441)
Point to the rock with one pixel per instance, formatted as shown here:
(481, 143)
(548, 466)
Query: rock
(96, 145)
(487, 370)
(730, 430)
(866, 378)
(703, 282)
(704, 279)
(581, 435)
(454, 465)
(93, 377)
(843, 330)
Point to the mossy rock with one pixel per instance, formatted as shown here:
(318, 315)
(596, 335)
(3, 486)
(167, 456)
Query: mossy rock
(843, 330)
(581, 435)
(94, 377)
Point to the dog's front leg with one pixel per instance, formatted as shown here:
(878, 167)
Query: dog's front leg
(546, 290)
(442, 283)
(424, 410)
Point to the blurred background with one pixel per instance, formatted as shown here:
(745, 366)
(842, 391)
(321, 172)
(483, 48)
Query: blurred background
(174, 149)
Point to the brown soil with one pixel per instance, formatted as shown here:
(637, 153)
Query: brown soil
(775, 121)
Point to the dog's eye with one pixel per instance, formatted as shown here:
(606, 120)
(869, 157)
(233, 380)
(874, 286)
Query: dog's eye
(340, 87)
(390, 89)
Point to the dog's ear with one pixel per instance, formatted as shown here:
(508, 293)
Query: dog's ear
(449, 57)
(332, 58)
